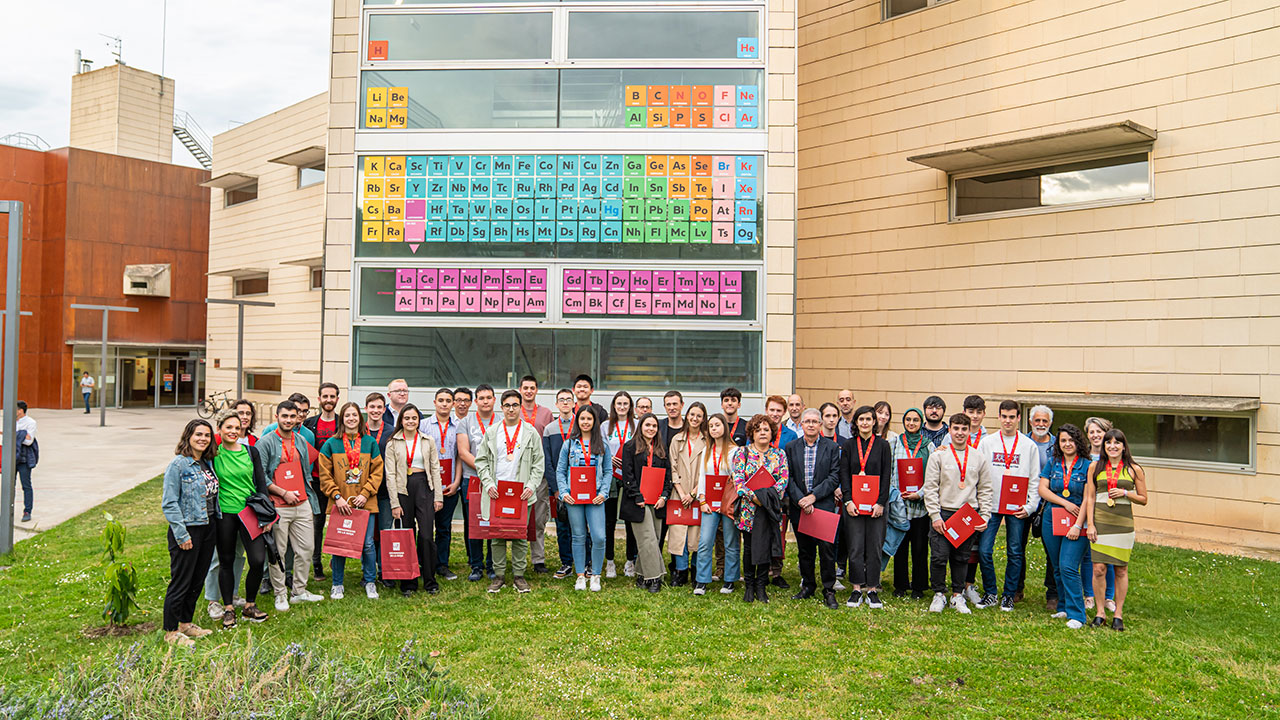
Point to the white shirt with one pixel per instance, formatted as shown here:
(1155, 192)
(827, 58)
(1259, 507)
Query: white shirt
(86, 384)
(1024, 462)
(27, 423)
(504, 470)
(794, 425)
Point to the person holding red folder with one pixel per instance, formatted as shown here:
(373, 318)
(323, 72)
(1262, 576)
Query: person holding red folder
(759, 511)
(686, 450)
(911, 452)
(554, 437)
(240, 475)
(286, 461)
(416, 491)
(813, 470)
(865, 471)
(644, 463)
(1062, 484)
(717, 517)
(957, 474)
(511, 451)
(586, 455)
(350, 474)
(616, 431)
(1015, 460)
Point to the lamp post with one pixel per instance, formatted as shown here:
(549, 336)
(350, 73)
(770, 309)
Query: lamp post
(102, 366)
(12, 288)
(240, 305)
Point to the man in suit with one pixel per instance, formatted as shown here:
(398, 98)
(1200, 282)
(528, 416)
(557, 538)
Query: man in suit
(812, 463)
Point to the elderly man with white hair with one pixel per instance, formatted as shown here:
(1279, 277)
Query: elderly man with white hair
(813, 463)
(1041, 419)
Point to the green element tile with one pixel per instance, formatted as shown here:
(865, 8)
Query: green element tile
(700, 232)
(655, 232)
(677, 232)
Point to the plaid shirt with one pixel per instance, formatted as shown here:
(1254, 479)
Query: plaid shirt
(810, 460)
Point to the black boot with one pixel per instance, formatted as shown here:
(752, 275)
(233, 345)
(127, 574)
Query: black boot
(749, 590)
(762, 592)
(679, 577)
(655, 585)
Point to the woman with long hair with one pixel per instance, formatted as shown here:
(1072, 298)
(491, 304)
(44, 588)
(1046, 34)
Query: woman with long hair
(350, 473)
(189, 500)
(586, 447)
(884, 416)
(715, 463)
(1095, 429)
(685, 451)
(240, 475)
(912, 444)
(415, 491)
(1111, 518)
(759, 512)
(645, 451)
(865, 459)
(1063, 485)
(617, 430)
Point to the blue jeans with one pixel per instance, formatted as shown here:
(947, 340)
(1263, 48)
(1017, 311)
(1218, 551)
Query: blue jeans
(24, 475)
(682, 560)
(584, 519)
(86, 402)
(1086, 571)
(444, 529)
(707, 545)
(1068, 556)
(368, 559)
(1015, 532)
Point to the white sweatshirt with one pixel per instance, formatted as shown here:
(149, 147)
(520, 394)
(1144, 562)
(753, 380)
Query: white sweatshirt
(1024, 461)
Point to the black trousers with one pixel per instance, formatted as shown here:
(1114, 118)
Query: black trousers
(229, 527)
(943, 554)
(419, 508)
(187, 569)
(753, 569)
(806, 548)
(866, 538)
(842, 545)
(775, 563)
(319, 525)
(915, 545)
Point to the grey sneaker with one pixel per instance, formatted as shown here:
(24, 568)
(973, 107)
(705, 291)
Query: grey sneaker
(522, 585)
(496, 585)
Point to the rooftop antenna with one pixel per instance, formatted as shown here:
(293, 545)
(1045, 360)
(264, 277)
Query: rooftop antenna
(82, 65)
(117, 46)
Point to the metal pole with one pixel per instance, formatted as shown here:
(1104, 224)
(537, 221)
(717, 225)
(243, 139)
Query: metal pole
(239, 351)
(102, 369)
(9, 455)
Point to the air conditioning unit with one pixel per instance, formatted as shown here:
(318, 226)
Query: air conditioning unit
(147, 280)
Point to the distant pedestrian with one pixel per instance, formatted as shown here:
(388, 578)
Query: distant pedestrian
(86, 389)
(27, 457)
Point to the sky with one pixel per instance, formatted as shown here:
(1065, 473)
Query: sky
(231, 60)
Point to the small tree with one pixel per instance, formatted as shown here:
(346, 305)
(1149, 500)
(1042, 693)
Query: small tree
(122, 579)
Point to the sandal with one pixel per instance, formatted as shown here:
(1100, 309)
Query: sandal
(253, 614)
(177, 638)
(193, 631)
(228, 619)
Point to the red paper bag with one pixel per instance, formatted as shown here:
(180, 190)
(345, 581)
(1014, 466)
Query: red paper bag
(1013, 494)
(250, 520)
(509, 505)
(820, 524)
(962, 524)
(399, 555)
(910, 475)
(678, 514)
(865, 491)
(716, 485)
(582, 484)
(477, 528)
(1062, 521)
(344, 535)
(761, 480)
(652, 480)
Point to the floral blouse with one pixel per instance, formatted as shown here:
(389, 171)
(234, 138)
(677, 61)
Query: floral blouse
(746, 461)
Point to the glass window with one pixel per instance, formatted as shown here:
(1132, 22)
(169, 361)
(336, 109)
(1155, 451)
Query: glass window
(262, 382)
(660, 34)
(471, 98)
(308, 176)
(1170, 436)
(242, 194)
(317, 278)
(695, 361)
(894, 8)
(463, 36)
(599, 98)
(1049, 186)
(255, 285)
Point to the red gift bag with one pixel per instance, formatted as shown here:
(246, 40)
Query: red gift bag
(344, 536)
(399, 554)
(494, 528)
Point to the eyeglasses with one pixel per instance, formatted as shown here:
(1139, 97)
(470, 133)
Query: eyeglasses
(399, 391)
(510, 406)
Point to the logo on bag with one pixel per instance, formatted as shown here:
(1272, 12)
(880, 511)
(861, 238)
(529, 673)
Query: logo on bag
(288, 474)
(865, 487)
(346, 524)
(395, 546)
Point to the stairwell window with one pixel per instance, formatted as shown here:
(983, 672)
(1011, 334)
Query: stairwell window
(1063, 185)
(241, 194)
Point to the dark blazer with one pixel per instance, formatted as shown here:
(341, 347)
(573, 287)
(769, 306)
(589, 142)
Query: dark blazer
(632, 468)
(879, 462)
(826, 473)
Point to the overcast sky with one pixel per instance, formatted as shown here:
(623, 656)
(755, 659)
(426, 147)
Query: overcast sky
(232, 60)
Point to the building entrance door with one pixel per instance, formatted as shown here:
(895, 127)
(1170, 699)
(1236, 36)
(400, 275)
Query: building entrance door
(135, 384)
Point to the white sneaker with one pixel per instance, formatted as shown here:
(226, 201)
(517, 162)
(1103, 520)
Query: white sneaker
(610, 570)
(1111, 606)
(960, 605)
(838, 587)
(305, 596)
(581, 583)
(371, 591)
(215, 610)
(629, 569)
(939, 602)
(1074, 624)
(595, 583)
(282, 603)
(1058, 615)
(972, 596)
(336, 592)
(726, 589)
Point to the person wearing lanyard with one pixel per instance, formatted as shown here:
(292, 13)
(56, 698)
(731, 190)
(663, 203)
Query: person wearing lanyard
(586, 448)
(189, 500)
(1111, 518)
(375, 412)
(530, 411)
(730, 401)
(444, 431)
(322, 427)
(686, 451)
(286, 460)
(759, 511)
(645, 450)
(867, 455)
(715, 464)
(537, 416)
(554, 437)
(1011, 453)
(775, 406)
(239, 471)
(813, 467)
(470, 431)
(845, 427)
(350, 473)
(976, 408)
(620, 427)
(1095, 428)
(510, 452)
(956, 475)
(1062, 483)
(413, 484)
(912, 444)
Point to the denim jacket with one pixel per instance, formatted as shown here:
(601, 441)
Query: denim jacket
(182, 497)
(571, 456)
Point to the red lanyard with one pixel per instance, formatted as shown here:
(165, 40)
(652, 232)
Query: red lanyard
(480, 422)
(964, 469)
(564, 436)
(527, 418)
(511, 441)
(353, 453)
(911, 453)
(649, 462)
(715, 458)
(1066, 474)
(1112, 480)
(777, 437)
(734, 432)
(1007, 454)
(414, 451)
(622, 434)
(862, 456)
(444, 430)
(977, 438)
(586, 450)
(286, 446)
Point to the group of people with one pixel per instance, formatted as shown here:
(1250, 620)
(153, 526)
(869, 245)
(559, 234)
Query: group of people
(704, 496)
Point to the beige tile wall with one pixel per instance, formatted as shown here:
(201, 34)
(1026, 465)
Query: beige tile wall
(339, 231)
(123, 110)
(1175, 296)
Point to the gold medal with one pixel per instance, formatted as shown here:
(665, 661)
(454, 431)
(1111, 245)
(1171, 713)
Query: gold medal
(1111, 502)
(1066, 492)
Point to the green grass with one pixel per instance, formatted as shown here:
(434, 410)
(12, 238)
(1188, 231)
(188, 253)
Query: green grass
(1204, 640)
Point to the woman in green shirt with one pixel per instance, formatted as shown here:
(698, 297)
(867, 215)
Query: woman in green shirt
(240, 475)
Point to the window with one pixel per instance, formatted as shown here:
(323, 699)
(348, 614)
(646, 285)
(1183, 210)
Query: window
(660, 34)
(317, 278)
(463, 36)
(252, 285)
(472, 98)
(311, 175)
(894, 8)
(1059, 186)
(241, 194)
(1222, 442)
(262, 381)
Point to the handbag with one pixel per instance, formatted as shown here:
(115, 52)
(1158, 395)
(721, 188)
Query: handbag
(399, 554)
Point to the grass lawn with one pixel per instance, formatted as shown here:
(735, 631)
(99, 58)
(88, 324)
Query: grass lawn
(1203, 640)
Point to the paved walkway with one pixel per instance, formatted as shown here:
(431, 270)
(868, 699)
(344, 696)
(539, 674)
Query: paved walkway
(83, 465)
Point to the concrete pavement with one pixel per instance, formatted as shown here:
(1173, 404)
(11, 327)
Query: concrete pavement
(83, 465)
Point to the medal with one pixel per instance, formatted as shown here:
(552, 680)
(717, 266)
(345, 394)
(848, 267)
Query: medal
(1066, 475)
(1113, 477)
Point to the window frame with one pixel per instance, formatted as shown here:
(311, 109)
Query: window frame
(226, 194)
(277, 374)
(235, 284)
(312, 285)
(320, 165)
(886, 17)
(1114, 152)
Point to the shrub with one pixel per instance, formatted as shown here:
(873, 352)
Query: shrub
(122, 579)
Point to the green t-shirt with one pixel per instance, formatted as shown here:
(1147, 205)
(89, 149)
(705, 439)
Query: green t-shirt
(235, 475)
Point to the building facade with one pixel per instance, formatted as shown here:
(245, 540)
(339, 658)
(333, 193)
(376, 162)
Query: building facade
(1075, 204)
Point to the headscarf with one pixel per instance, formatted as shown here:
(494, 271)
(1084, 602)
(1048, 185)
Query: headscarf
(910, 439)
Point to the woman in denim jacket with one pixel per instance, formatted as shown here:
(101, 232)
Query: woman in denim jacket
(586, 514)
(189, 499)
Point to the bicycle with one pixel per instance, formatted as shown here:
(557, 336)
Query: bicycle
(214, 404)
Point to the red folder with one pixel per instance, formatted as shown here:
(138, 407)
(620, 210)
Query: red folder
(344, 535)
(1062, 521)
(582, 484)
(1013, 494)
(652, 480)
(865, 491)
(446, 471)
(820, 524)
(289, 476)
(509, 506)
(962, 524)
(761, 480)
(716, 485)
(250, 520)
(910, 475)
(678, 514)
